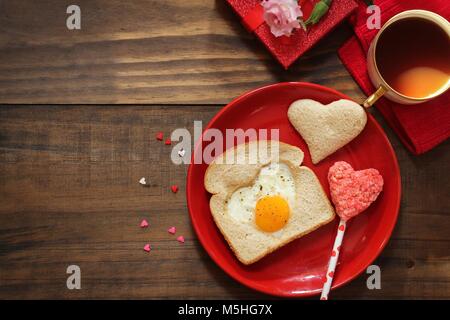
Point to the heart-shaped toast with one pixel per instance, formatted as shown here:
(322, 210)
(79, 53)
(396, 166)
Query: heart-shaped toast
(352, 191)
(326, 128)
(261, 207)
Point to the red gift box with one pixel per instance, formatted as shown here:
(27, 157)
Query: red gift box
(288, 49)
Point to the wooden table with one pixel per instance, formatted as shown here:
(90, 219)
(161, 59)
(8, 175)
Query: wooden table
(80, 111)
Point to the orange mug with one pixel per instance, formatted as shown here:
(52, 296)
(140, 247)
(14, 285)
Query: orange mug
(409, 59)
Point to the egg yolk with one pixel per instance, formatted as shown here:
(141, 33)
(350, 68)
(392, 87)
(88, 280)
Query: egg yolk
(272, 213)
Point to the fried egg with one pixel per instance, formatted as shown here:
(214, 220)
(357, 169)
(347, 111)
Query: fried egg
(266, 205)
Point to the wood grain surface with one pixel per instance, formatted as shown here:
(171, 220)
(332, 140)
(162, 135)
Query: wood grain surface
(80, 111)
(157, 52)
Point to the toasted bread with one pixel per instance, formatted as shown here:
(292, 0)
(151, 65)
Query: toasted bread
(312, 208)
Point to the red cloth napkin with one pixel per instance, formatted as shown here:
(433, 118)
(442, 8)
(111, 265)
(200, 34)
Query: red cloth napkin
(420, 127)
(288, 49)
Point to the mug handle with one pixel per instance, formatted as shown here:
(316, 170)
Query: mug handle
(374, 97)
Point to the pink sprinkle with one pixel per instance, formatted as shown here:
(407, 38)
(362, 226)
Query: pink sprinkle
(144, 224)
(147, 247)
(180, 239)
(159, 136)
(168, 142)
(172, 230)
(174, 188)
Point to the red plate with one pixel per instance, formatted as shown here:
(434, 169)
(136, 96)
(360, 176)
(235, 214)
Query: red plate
(298, 268)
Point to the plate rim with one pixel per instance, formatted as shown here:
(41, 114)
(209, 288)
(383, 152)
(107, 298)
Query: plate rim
(378, 249)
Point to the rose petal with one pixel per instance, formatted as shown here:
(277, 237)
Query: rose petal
(282, 16)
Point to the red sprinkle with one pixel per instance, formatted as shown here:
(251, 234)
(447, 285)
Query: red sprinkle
(147, 248)
(144, 224)
(172, 230)
(174, 188)
(180, 239)
(168, 142)
(331, 274)
(159, 136)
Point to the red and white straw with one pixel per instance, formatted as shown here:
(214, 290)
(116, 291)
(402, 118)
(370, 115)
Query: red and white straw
(333, 260)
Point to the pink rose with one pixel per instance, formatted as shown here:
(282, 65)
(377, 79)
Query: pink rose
(282, 16)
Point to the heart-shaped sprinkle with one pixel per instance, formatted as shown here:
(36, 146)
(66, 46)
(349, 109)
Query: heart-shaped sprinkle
(159, 136)
(168, 142)
(181, 153)
(341, 228)
(144, 223)
(172, 230)
(174, 188)
(353, 191)
(180, 239)
(333, 254)
(142, 181)
(331, 274)
(147, 247)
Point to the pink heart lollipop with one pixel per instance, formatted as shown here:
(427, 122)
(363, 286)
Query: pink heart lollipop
(352, 192)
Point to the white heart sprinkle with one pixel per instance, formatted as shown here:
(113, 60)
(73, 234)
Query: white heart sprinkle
(181, 153)
(142, 181)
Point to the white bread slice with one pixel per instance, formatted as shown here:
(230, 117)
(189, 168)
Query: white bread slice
(327, 128)
(312, 209)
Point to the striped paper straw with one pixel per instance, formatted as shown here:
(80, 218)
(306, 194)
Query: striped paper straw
(333, 260)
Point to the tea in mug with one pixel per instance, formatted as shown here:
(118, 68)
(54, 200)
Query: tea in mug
(413, 57)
